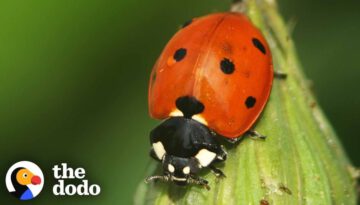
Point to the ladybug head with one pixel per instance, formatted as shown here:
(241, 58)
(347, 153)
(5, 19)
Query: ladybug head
(180, 169)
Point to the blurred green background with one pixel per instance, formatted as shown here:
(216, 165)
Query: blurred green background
(73, 81)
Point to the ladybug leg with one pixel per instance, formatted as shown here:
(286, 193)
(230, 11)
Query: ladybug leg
(222, 154)
(253, 135)
(198, 181)
(256, 135)
(280, 75)
(234, 140)
(218, 173)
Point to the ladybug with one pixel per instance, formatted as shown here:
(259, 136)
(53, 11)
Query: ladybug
(213, 79)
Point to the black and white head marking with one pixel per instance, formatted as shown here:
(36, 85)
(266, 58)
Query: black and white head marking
(159, 150)
(184, 145)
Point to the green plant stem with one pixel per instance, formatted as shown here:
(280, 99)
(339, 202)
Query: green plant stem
(301, 161)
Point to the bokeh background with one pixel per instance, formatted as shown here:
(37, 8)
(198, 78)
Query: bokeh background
(73, 81)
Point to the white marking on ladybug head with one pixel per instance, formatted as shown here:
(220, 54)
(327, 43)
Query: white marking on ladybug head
(176, 113)
(200, 119)
(159, 149)
(171, 168)
(178, 179)
(205, 157)
(186, 170)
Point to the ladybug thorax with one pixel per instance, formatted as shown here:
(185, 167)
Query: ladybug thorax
(184, 146)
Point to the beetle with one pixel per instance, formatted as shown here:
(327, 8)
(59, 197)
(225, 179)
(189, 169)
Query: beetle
(213, 79)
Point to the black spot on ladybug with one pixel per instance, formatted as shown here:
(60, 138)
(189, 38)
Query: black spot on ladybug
(227, 66)
(250, 102)
(179, 54)
(189, 106)
(187, 23)
(259, 45)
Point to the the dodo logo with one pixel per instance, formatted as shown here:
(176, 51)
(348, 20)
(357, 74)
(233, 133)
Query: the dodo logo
(24, 180)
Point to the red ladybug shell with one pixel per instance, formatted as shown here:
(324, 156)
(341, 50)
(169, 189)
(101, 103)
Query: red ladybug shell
(224, 62)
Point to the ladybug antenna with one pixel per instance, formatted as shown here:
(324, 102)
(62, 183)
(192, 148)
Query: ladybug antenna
(156, 178)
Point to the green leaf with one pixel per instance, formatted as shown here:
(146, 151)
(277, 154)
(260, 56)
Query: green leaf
(301, 161)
